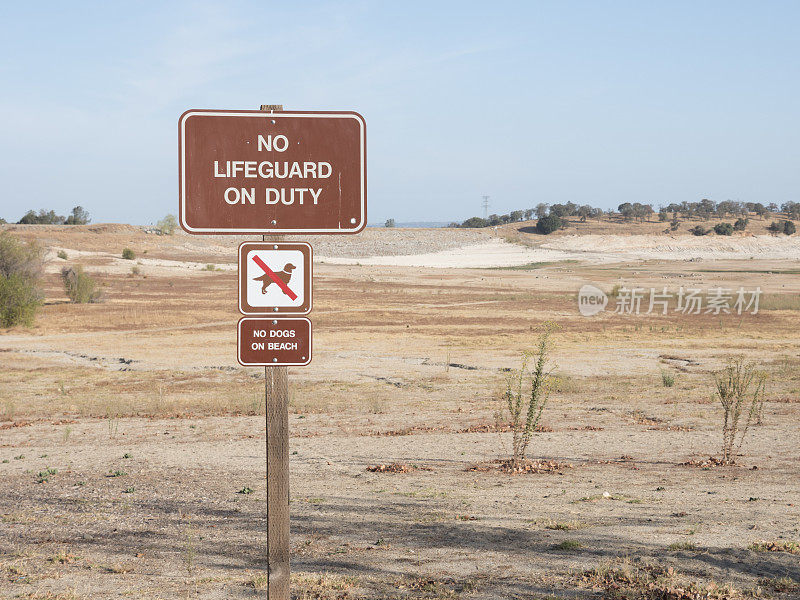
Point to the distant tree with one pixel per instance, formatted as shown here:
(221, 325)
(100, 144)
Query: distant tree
(528, 214)
(699, 230)
(772, 207)
(785, 227)
(42, 218)
(78, 216)
(674, 224)
(541, 210)
(723, 229)
(760, 209)
(626, 210)
(494, 220)
(792, 209)
(475, 222)
(389, 223)
(584, 212)
(167, 225)
(741, 224)
(559, 210)
(663, 216)
(549, 224)
(517, 215)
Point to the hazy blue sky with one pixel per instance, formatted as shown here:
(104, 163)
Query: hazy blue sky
(593, 102)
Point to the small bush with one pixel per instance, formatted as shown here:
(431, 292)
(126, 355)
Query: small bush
(79, 286)
(549, 224)
(526, 397)
(699, 230)
(723, 229)
(667, 378)
(20, 273)
(789, 228)
(167, 225)
(741, 224)
(62, 255)
(20, 298)
(738, 385)
(128, 254)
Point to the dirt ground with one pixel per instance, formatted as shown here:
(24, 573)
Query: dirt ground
(132, 445)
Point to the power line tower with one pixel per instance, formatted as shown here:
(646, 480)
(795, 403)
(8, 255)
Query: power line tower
(485, 207)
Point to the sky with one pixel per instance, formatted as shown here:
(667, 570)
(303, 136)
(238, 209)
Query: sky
(593, 102)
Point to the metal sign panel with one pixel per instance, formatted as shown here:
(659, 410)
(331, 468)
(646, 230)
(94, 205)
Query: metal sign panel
(275, 278)
(263, 172)
(274, 342)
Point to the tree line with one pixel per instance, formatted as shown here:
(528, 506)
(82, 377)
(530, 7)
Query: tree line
(636, 211)
(78, 216)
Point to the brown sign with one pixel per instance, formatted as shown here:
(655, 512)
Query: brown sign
(272, 172)
(275, 278)
(274, 342)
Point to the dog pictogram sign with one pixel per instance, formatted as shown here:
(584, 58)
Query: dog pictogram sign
(275, 278)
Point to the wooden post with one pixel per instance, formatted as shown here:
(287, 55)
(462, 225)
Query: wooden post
(276, 402)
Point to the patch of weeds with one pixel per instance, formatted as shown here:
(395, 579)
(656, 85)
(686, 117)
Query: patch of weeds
(568, 546)
(20, 457)
(626, 580)
(62, 255)
(5, 460)
(245, 490)
(775, 546)
(564, 525)
(392, 468)
(780, 584)
(116, 473)
(63, 558)
(691, 546)
(127, 455)
(129, 490)
(44, 476)
(667, 379)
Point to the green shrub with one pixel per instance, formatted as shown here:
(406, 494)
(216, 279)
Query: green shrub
(741, 224)
(79, 286)
(549, 224)
(128, 254)
(723, 229)
(167, 225)
(62, 255)
(668, 379)
(20, 273)
(699, 230)
(786, 227)
(20, 298)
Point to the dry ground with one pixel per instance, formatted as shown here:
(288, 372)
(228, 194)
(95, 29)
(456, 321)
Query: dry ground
(157, 436)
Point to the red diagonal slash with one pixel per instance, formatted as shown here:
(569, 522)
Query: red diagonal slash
(274, 278)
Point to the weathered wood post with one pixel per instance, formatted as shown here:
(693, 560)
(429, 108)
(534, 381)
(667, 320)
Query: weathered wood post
(276, 404)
